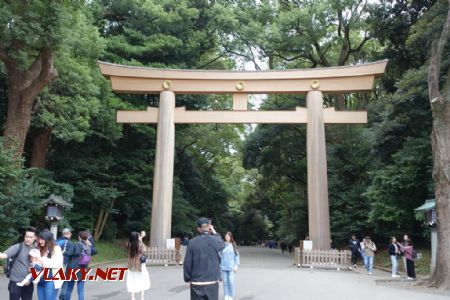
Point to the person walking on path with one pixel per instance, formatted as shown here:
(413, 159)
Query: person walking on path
(369, 251)
(354, 246)
(229, 264)
(20, 268)
(394, 251)
(363, 253)
(404, 243)
(51, 258)
(80, 256)
(138, 279)
(66, 248)
(201, 267)
(409, 252)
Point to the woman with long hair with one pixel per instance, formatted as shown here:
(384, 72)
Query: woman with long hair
(138, 279)
(408, 250)
(51, 258)
(393, 253)
(229, 264)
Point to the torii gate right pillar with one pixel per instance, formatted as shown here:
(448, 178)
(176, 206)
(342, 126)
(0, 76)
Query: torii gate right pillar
(318, 210)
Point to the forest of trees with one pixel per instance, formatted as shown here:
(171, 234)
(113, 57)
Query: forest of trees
(60, 136)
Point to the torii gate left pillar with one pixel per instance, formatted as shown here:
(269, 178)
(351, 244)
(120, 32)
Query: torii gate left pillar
(312, 82)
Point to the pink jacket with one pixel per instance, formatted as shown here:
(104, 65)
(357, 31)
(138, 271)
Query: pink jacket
(408, 250)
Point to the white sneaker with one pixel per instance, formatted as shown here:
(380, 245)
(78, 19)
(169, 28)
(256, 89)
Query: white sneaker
(370, 273)
(410, 278)
(395, 276)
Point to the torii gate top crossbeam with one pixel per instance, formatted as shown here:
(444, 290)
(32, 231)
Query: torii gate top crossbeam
(346, 79)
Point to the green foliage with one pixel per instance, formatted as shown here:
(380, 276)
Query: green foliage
(349, 163)
(402, 179)
(252, 181)
(70, 102)
(30, 26)
(21, 192)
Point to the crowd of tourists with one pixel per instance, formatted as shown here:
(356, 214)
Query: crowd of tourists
(366, 250)
(209, 260)
(41, 251)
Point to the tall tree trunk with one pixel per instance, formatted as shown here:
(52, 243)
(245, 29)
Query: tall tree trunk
(23, 88)
(41, 140)
(17, 123)
(98, 224)
(440, 107)
(101, 220)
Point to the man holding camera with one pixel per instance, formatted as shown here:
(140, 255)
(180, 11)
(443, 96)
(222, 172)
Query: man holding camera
(202, 262)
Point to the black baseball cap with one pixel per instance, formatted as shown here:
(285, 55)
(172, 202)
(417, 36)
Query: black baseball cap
(202, 221)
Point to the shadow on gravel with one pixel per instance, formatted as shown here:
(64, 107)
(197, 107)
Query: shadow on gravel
(105, 296)
(179, 289)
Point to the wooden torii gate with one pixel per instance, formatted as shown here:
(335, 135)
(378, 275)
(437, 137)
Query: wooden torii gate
(313, 82)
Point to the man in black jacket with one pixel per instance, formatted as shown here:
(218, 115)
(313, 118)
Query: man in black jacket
(202, 262)
(355, 247)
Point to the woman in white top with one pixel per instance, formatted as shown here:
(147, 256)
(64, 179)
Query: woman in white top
(51, 258)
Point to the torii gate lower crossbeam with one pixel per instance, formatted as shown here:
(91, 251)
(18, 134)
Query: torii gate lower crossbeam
(336, 80)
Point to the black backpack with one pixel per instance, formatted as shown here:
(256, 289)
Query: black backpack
(10, 262)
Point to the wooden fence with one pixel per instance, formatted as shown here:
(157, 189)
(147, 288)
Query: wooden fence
(323, 258)
(165, 256)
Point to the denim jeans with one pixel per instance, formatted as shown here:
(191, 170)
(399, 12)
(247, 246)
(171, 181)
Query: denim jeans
(80, 289)
(228, 283)
(368, 262)
(46, 290)
(62, 293)
(394, 264)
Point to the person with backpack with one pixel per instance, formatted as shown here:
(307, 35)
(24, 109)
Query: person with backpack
(66, 247)
(369, 251)
(80, 257)
(17, 266)
(52, 259)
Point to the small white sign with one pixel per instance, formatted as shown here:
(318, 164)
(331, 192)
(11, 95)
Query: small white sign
(307, 245)
(170, 244)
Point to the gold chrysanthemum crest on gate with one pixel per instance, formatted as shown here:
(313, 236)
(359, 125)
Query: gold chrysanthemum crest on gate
(315, 84)
(240, 85)
(167, 84)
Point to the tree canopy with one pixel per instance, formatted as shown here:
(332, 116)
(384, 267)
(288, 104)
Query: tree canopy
(60, 134)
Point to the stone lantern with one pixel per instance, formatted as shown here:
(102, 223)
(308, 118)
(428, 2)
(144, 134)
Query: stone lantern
(55, 206)
(427, 213)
